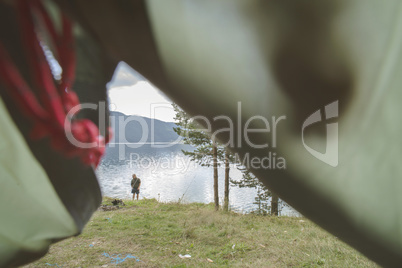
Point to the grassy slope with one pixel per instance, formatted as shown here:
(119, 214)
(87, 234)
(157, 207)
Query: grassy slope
(157, 233)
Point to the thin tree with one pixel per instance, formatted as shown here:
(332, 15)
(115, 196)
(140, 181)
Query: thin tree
(227, 178)
(206, 152)
(274, 204)
(215, 162)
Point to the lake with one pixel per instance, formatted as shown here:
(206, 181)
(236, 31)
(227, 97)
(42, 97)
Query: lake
(168, 175)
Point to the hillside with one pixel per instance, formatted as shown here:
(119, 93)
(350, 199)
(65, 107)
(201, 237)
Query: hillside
(150, 234)
(137, 134)
(133, 129)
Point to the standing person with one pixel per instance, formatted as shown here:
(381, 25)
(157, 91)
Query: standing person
(135, 185)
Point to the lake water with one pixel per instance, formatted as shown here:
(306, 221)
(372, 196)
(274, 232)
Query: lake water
(169, 175)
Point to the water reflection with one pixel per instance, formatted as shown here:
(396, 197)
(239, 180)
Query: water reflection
(170, 176)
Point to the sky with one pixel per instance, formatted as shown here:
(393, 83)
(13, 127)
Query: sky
(131, 94)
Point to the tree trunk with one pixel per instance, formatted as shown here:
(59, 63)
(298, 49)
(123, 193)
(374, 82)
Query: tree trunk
(227, 168)
(215, 160)
(274, 204)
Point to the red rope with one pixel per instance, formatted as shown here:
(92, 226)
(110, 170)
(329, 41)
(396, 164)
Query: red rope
(39, 66)
(67, 58)
(51, 120)
(18, 88)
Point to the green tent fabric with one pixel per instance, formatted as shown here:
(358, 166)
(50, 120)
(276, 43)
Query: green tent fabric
(287, 58)
(276, 58)
(33, 215)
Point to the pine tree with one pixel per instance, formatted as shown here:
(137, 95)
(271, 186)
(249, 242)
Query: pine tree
(206, 151)
(263, 193)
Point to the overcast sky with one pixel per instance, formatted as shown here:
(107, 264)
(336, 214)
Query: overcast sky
(131, 94)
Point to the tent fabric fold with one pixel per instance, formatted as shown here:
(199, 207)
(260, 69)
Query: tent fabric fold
(297, 59)
(33, 215)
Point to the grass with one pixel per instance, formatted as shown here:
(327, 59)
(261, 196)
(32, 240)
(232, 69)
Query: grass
(156, 233)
